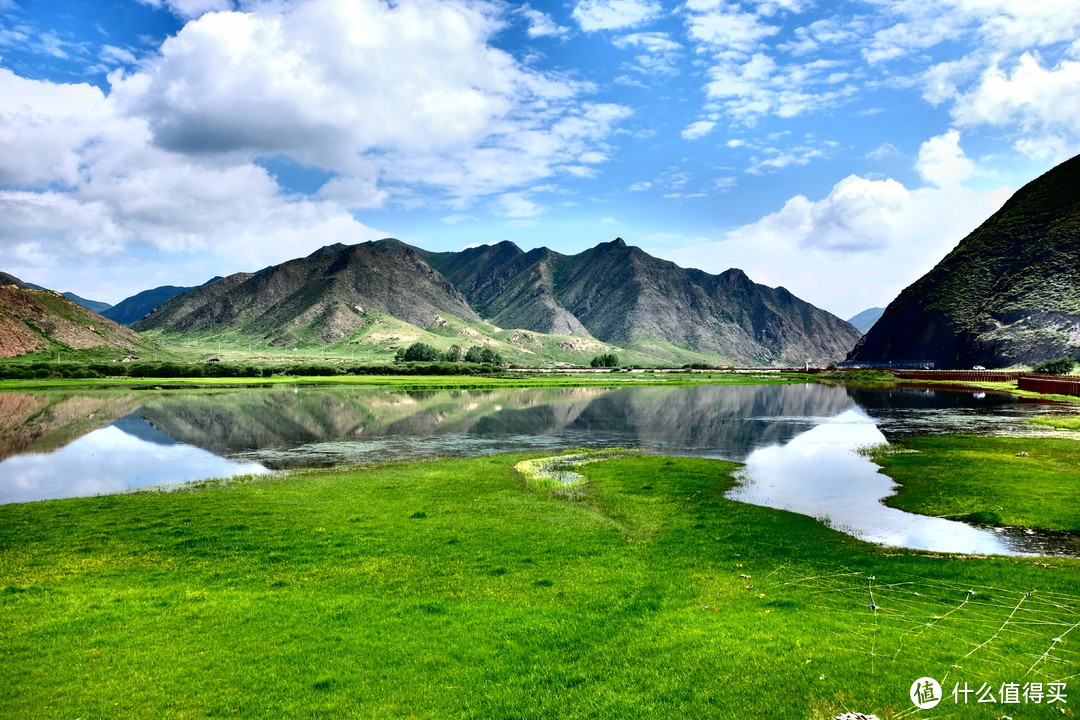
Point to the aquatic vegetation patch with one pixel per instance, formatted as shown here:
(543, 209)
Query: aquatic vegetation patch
(558, 475)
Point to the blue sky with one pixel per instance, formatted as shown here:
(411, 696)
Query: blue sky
(839, 149)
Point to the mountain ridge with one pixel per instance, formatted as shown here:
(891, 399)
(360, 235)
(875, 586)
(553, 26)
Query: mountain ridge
(1007, 294)
(136, 307)
(612, 293)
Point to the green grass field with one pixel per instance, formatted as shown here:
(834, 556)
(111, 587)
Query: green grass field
(449, 589)
(987, 480)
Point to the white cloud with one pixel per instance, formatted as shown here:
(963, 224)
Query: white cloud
(101, 247)
(323, 82)
(725, 28)
(724, 184)
(42, 126)
(1016, 25)
(942, 162)
(698, 129)
(515, 205)
(883, 152)
(997, 25)
(541, 24)
(660, 54)
(594, 15)
(117, 55)
(354, 192)
(190, 9)
(166, 161)
(855, 248)
(941, 81)
(758, 86)
(1042, 104)
(778, 159)
(824, 32)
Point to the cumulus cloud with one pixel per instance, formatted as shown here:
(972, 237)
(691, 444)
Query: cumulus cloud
(323, 82)
(942, 162)
(85, 181)
(878, 235)
(593, 15)
(858, 215)
(168, 158)
(42, 127)
(1042, 103)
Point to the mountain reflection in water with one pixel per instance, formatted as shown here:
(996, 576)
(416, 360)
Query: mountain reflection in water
(252, 430)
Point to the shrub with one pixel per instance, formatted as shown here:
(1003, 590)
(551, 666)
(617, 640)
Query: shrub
(1057, 366)
(420, 352)
(452, 354)
(15, 372)
(607, 360)
(312, 370)
(477, 354)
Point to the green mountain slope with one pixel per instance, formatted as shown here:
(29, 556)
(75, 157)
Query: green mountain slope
(321, 298)
(43, 320)
(92, 305)
(1008, 294)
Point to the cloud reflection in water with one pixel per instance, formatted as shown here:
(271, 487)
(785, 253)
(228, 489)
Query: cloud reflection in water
(110, 460)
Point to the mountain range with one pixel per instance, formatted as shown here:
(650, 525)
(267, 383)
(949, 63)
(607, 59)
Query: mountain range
(1007, 294)
(136, 307)
(609, 295)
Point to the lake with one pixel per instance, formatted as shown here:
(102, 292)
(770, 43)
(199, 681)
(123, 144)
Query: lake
(798, 441)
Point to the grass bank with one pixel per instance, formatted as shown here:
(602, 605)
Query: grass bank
(1026, 482)
(450, 589)
(1062, 422)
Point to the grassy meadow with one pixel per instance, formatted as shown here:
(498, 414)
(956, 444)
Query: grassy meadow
(1019, 481)
(455, 588)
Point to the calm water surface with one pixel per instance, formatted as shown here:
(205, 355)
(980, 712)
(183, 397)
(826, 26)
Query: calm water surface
(797, 441)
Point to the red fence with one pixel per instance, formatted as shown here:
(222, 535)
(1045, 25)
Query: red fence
(1049, 384)
(958, 375)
